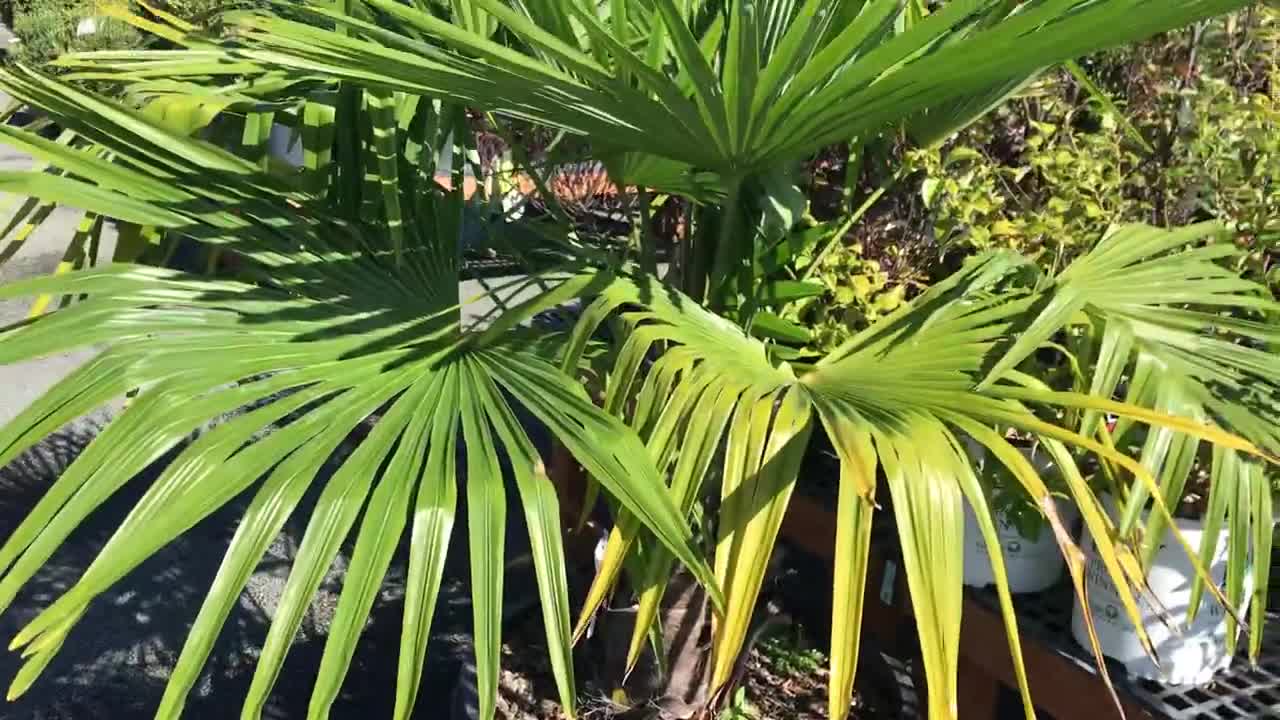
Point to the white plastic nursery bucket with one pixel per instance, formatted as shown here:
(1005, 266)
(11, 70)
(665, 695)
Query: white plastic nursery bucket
(286, 145)
(1188, 655)
(1031, 565)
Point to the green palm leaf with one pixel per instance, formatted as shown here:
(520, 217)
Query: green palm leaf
(328, 330)
(894, 395)
(731, 96)
(1164, 310)
(777, 95)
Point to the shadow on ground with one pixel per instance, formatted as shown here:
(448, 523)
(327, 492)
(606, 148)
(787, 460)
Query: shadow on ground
(117, 660)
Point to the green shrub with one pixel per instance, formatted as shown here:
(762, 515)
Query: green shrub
(1210, 102)
(1072, 174)
(786, 655)
(859, 292)
(47, 29)
(1230, 168)
(1049, 173)
(195, 11)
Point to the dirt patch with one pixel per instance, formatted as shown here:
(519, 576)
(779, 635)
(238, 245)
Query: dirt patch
(783, 681)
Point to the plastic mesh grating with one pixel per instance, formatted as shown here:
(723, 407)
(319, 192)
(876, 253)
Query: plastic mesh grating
(1240, 692)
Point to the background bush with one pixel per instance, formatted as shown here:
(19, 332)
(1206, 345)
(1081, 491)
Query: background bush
(47, 28)
(194, 10)
(1192, 132)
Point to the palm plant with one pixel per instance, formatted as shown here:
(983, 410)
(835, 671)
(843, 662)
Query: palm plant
(347, 307)
(25, 215)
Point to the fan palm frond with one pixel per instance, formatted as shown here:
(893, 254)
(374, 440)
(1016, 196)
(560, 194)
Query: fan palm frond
(897, 397)
(335, 324)
(1179, 332)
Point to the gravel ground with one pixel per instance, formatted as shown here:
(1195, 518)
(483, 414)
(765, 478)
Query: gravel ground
(118, 658)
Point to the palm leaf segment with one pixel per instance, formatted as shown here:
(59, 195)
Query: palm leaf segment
(337, 325)
(1163, 316)
(754, 83)
(731, 88)
(176, 103)
(893, 401)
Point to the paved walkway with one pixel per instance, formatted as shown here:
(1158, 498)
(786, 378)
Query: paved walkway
(22, 383)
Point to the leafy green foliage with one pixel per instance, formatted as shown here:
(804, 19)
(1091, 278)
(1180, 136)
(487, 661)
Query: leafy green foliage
(1055, 168)
(787, 656)
(1011, 502)
(1052, 171)
(858, 293)
(48, 29)
(1051, 200)
(740, 708)
(1231, 166)
(194, 10)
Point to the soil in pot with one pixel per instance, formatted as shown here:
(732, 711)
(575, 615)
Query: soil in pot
(785, 679)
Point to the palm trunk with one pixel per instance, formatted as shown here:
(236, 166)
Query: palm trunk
(676, 688)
